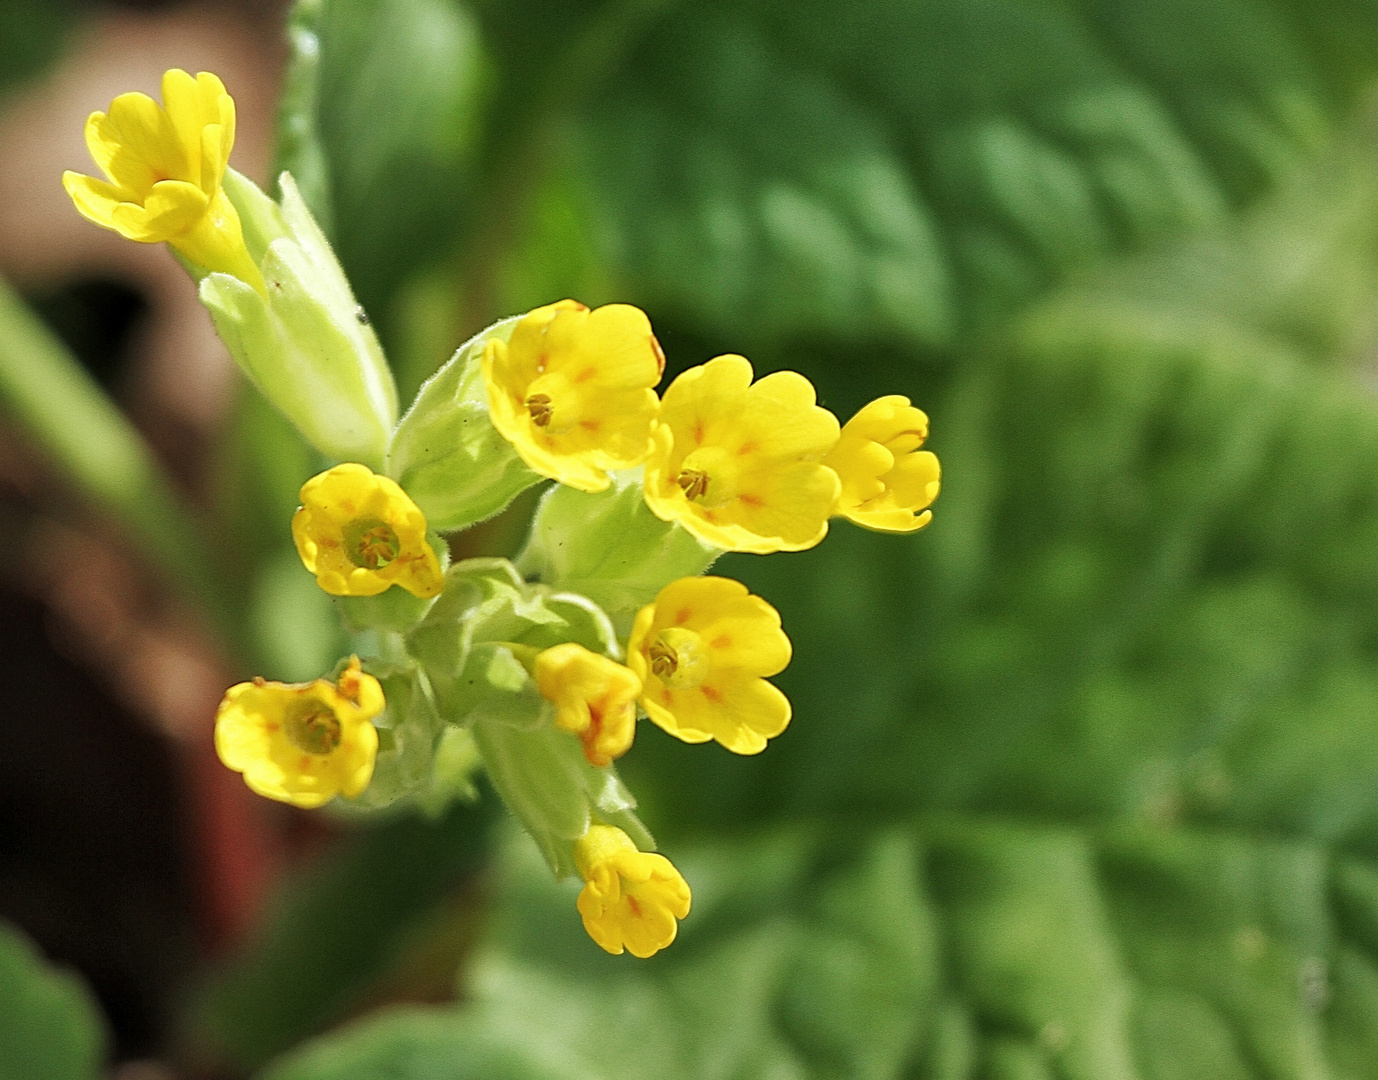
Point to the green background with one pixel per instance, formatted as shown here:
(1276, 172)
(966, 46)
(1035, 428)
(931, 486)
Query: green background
(1083, 779)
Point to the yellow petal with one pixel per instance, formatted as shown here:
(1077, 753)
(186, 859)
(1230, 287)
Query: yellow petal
(747, 637)
(782, 408)
(95, 199)
(212, 159)
(140, 125)
(125, 169)
(171, 208)
(225, 120)
(571, 390)
(740, 714)
(182, 103)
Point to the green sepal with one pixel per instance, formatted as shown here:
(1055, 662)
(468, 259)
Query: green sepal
(610, 548)
(546, 781)
(466, 641)
(408, 732)
(476, 645)
(447, 454)
(306, 345)
(260, 217)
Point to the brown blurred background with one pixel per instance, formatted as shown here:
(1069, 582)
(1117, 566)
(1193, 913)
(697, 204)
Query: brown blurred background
(125, 850)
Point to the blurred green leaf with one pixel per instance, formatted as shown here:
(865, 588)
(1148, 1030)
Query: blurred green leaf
(747, 991)
(52, 1029)
(1149, 590)
(939, 950)
(909, 171)
(382, 113)
(1105, 736)
(335, 931)
(34, 32)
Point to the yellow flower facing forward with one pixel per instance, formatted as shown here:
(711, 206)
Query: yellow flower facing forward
(594, 698)
(631, 899)
(888, 483)
(702, 651)
(739, 464)
(302, 743)
(359, 533)
(572, 390)
(164, 164)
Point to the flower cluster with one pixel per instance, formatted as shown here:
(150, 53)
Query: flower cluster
(540, 666)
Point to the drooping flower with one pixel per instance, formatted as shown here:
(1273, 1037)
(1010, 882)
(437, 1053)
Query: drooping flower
(572, 390)
(888, 483)
(739, 464)
(702, 651)
(594, 698)
(164, 165)
(302, 743)
(359, 533)
(631, 899)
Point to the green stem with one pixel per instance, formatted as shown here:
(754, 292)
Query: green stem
(82, 431)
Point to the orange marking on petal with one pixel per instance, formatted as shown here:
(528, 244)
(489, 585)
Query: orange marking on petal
(585, 375)
(589, 737)
(722, 641)
(698, 432)
(304, 764)
(715, 696)
(327, 543)
(752, 500)
(541, 361)
(631, 903)
(746, 448)
(590, 425)
(271, 728)
(682, 616)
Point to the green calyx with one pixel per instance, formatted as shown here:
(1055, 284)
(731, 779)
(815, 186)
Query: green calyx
(306, 345)
(446, 452)
(610, 548)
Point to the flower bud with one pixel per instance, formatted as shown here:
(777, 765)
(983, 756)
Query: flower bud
(631, 900)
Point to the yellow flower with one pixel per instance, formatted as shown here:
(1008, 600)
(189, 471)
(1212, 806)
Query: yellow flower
(702, 650)
(164, 164)
(594, 698)
(302, 743)
(572, 390)
(630, 898)
(738, 464)
(886, 479)
(359, 533)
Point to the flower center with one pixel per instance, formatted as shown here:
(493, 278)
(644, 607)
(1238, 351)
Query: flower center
(694, 483)
(371, 544)
(708, 476)
(312, 727)
(678, 658)
(538, 405)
